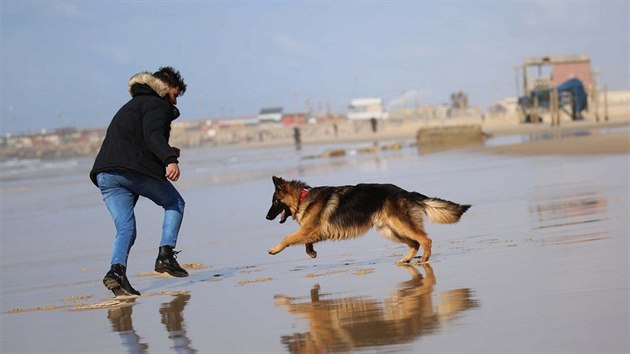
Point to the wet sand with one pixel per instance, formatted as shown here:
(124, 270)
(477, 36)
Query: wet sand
(608, 143)
(538, 264)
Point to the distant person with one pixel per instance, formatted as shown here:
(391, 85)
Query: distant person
(374, 124)
(336, 129)
(136, 160)
(297, 138)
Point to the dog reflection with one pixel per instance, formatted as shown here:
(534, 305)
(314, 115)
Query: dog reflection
(357, 322)
(172, 318)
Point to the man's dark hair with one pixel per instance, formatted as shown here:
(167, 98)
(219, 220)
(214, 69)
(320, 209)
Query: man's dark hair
(172, 78)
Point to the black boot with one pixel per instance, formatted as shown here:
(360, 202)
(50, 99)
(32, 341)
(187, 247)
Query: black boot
(166, 262)
(116, 281)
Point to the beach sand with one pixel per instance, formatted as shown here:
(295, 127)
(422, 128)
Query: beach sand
(538, 264)
(608, 143)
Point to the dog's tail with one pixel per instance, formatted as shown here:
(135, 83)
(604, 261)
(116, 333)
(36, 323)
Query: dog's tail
(442, 211)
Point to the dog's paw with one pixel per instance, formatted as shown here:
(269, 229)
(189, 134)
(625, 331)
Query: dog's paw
(274, 250)
(312, 254)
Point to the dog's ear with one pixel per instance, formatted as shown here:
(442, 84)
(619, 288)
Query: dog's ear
(277, 181)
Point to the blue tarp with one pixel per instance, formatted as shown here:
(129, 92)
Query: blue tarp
(573, 86)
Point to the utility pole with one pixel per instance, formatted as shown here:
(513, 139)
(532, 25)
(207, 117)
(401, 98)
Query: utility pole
(606, 102)
(595, 94)
(10, 122)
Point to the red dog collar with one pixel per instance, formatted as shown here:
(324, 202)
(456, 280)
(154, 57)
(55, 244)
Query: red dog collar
(303, 194)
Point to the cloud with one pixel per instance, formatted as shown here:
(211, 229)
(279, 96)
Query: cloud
(113, 52)
(290, 45)
(564, 14)
(409, 97)
(65, 10)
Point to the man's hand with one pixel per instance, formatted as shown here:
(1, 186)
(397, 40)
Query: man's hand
(172, 172)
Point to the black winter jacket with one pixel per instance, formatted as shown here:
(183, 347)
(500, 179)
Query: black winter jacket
(137, 137)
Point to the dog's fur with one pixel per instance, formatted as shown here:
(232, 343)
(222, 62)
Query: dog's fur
(339, 213)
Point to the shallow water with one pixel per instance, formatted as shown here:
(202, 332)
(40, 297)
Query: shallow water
(538, 264)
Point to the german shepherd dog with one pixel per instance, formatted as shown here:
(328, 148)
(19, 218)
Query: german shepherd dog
(340, 213)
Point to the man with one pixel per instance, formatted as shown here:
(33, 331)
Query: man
(136, 160)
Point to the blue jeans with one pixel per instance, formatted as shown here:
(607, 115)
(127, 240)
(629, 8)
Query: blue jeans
(121, 190)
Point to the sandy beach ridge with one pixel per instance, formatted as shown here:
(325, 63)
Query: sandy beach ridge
(572, 137)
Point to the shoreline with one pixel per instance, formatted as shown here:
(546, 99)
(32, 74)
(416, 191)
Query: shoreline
(400, 131)
(582, 137)
(571, 139)
(591, 144)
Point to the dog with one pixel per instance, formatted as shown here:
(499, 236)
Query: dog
(344, 212)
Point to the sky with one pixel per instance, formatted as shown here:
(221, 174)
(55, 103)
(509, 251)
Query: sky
(67, 63)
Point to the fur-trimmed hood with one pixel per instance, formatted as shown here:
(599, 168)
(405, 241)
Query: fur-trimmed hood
(137, 137)
(146, 78)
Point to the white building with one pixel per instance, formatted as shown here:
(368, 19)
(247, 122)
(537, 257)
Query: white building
(367, 108)
(270, 115)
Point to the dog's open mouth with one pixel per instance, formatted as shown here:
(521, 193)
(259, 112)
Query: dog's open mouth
(278, 208)
(284, 215)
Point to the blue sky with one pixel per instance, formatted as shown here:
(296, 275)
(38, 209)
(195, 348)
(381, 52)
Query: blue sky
(68, 63)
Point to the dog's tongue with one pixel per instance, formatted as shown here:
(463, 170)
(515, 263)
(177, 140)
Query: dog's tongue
(283, 216)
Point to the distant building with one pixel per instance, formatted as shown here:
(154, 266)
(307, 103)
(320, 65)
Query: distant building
(244, 121)
(291, 119)
(270, 115)
(555, 70)
(506, 108)
(442, 111)
(367, 108)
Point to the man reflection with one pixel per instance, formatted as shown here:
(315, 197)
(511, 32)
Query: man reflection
(172, 317)
(120, 318)
(357, 322)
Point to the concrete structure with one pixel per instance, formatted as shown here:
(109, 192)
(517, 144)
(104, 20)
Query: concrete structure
(542, 76)
(551, 71)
